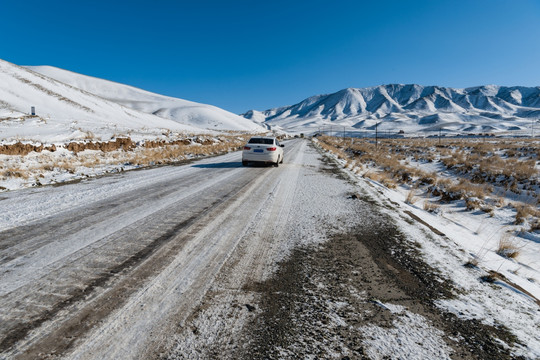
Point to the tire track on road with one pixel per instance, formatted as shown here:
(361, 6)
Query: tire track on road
(92, 284)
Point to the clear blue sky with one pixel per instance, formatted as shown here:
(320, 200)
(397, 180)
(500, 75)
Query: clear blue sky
(242, 55)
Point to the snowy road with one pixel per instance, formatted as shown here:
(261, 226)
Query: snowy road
(215, 260)
(116, 244)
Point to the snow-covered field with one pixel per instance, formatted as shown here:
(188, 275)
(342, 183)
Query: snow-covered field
(511, 295)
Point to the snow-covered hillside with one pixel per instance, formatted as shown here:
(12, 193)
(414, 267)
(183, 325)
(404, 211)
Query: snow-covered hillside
(66, 113)
(182, 111)
(413, 109)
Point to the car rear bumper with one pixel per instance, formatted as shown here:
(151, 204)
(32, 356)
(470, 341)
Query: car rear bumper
(264, 158)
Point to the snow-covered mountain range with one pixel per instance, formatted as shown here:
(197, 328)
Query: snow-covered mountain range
(411, 108)
(70, 106)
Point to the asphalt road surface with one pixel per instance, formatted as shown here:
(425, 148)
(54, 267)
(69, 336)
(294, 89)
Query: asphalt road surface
(214, 260)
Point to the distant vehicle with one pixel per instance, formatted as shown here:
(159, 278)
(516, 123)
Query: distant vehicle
(266, 150)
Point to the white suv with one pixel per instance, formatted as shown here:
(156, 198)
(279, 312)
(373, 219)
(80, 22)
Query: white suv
(263, 149)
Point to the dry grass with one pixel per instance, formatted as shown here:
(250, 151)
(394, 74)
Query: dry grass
(28, 168)
(508, 247)
(472, 204)
(382, 178)
(481, 167)
(431, 206)
(523, 211)
(535, 225)
(411, 197)
(16, 173)
(472, 263)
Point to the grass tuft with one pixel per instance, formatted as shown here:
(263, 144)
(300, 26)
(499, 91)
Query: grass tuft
(411, 198)
(507, 247)
(431, 206)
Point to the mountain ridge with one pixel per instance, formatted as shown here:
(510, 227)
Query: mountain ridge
(412, 107)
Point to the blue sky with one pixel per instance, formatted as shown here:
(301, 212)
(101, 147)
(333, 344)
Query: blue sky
(242, 55)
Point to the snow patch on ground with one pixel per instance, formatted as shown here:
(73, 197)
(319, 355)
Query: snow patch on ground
(411, 337)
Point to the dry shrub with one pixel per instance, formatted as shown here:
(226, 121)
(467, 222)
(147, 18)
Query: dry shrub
(431, 206)
(472, 204)
(522, 170)
(90, 161)
(47, 167)
(488, 210)
(16, 173)
(170, 153)
(389, 182)
(330, 146)
(465, 188)
(478, 162)
(472, 263)
(507, 247)
(428, 178)
(66, 166)
(373, 176)
(411, 198)
(535, 225)
(522, 212)
(499, 201)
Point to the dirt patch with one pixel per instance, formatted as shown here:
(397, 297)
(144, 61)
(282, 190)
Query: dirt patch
(105, 146)
(24, 149)
(161, 143)
(319, 299)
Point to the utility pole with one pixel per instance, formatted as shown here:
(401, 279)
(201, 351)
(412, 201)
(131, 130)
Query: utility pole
(376, 135)
(532, 126)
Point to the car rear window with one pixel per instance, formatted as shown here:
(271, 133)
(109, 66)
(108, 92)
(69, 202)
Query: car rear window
(261, 141)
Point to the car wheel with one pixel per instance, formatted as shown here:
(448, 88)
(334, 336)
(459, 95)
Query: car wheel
(276, 164)
(244, 163)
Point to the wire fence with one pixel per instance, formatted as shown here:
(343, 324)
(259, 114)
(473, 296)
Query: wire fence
(438, 133)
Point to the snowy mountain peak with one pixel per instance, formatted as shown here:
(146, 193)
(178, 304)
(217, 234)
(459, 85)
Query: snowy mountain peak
(413, 107)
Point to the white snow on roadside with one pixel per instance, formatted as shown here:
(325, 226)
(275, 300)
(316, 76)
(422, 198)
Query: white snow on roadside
(469, 237)
(411, 337)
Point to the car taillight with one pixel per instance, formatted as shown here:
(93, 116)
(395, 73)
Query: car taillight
(271, 149)
(247, 148)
